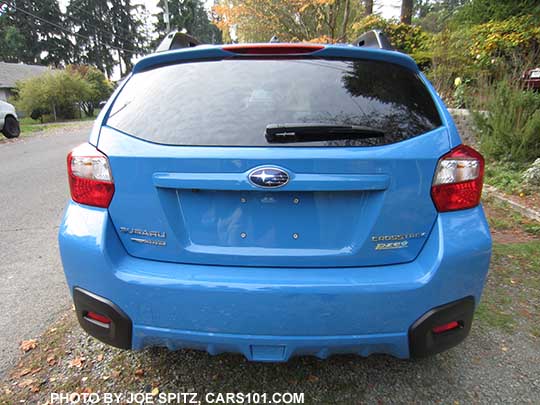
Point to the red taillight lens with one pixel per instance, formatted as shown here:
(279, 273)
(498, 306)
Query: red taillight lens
(90, 178)
(273, 49)
(446, 327)
(458, 180)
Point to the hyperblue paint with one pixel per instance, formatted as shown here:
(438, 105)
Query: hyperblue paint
(268, 294)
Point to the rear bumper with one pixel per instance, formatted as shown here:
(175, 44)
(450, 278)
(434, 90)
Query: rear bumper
(421, 340)
(274, 313)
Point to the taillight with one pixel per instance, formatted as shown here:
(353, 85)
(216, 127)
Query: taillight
(458, 180)
(90, 178)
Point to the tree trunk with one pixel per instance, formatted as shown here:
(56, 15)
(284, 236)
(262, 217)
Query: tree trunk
(368, 7)
(406, 11)
(345, 21)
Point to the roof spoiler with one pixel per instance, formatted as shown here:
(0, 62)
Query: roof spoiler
(177, 40)
(374, 39)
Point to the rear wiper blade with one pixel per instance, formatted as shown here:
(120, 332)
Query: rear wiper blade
(289, 133)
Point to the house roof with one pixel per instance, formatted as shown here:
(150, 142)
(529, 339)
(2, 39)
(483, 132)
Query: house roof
(11, 73)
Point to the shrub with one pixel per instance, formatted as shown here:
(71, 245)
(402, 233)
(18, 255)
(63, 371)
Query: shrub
(531, 176)
(410, 39)
(38, 113)
(100, 87)
(510, 129)
(57, 91)
(450, 61)
(505, 45)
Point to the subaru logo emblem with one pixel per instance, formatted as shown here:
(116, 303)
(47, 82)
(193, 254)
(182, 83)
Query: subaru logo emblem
(268, 177)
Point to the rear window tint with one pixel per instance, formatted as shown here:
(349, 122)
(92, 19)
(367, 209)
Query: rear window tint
(231, 102)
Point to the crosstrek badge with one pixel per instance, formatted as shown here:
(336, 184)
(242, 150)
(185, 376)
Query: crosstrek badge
(398, 241)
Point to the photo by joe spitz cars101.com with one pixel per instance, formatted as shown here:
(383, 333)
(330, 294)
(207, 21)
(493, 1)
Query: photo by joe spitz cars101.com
(276, 200)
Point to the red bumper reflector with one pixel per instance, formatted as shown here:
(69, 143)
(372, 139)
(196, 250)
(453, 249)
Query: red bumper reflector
(98, 317)
(446, 327)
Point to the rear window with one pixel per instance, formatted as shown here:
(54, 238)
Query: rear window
(232, 102)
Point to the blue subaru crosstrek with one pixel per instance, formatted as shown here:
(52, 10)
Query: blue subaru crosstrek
(276, 200)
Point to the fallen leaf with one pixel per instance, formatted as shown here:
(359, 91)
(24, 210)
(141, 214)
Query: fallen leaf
(84, 379)
(313, 378)
(27, 345)
(21, 373)
(34, 389)
(504, 349)
(115, 374)
(76, 362)
(25, 383)
(87, 390)
(139, 372)
(155, 391)
(100, 357)
(51, 360)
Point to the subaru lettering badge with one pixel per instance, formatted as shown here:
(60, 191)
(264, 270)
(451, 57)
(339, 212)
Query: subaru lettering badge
(268, 177)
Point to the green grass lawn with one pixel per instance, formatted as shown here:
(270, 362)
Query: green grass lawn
(30, 126)
(511, 299)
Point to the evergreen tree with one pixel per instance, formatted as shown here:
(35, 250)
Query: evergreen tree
(109, 32)
(54, 45)
(189, 15)
(31, 32)
(128, 27)
(91, 20)
(12, 41)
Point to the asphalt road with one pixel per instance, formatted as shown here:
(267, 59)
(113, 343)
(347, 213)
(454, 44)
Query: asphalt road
(33, 193)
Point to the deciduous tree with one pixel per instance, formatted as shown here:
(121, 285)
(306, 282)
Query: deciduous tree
(289, 20)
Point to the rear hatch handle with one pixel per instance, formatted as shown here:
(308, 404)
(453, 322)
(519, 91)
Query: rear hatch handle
(298, 182)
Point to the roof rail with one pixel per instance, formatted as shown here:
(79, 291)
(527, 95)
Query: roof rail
(177, 40)
(374, 39)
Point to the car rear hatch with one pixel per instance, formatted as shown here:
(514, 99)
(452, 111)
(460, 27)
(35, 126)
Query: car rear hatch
(197, 172)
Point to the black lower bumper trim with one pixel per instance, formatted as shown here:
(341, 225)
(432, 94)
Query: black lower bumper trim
(424, 342)
(117, 333)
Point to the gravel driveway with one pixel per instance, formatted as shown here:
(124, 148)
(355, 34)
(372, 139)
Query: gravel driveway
(489, 367)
